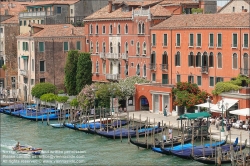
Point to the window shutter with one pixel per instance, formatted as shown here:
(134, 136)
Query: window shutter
(191, 39)
(245, 40)
(211, 40)
(234, 40)
(219, 40)
(23, 46)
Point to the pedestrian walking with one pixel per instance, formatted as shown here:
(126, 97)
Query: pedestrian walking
(166, 110)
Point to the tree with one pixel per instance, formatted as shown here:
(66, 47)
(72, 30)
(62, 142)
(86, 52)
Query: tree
(48, 97)
(84, 71)
(42, 88)
(62, 99)
(87, 96)
(70, 72)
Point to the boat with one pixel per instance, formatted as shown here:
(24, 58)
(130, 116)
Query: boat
(32, 112)
(27, 150)
(57, 125)
(45, 116)
(167, 150)
(96, 125)
(157, 144)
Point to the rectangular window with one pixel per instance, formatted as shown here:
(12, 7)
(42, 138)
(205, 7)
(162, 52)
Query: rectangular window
(78, 45)
(211, 81)
(42, 66)
(153, 39)
(71, 11)
(13, 82)
(178, 40)
(1, 30)
(42, 80)
(198, 40)
(165, 40)
(25, 46)
(65, 46)
(164, 78)
(59, 10)
(41, 46)
(199, 80)
(219, 40)
(190, 79)
(211, 40)
(32, 81)
(219, 79)
(245, 45)
(33, 65)
(234, 40)
(191, 40)
(153, 76)
(20, 23)
(25, 80)
(42, 21)
(103, 29)
(178, 78)
(18, 45)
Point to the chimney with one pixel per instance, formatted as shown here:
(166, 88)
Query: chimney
(110, 6)
(72, 31)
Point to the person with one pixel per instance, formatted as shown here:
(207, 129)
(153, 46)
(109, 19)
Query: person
(18, 145)
(166, 110)
(170, 133)
(228, 128)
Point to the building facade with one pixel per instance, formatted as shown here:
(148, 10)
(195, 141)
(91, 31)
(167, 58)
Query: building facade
(42, 55)
(236, 6)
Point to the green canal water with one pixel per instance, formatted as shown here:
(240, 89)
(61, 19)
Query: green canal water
(63, 146)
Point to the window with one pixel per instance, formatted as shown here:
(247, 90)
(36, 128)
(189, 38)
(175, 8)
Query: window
(104, 67)
(153, 40)
(242, 7)
(178, 78)
(211, 81)
(144, 48)
(110, 47)
(13, 82)
(103, 29)
(19, 62)
(198, 60)
(219, 60)
(219, 40)
(97, 67)
(25, 46)
(33, 65)
(142, 28)
(119, 29)
(42, 80)
(198, 40)
(245, 45)
(191, 59)
(234, 40)
(65, 46)
(153, 76)
(78, 45)
(32, 81)
(211, 60)
(233, 9)
(18, 45)
(91, 47)
(191, 79)
(165, 59)
(58, 10)
(165, 40)
(42, 21)
(1, 62)
(90, 29)
(138, 70)
(97, 47)
(25, 80)
(235, 61)
(20, 23)
(119, 68)
(164, 78)
(204, 59)
(178, 40)
(126, 29)
(199, 80)
(191, 40)
(110, 29)
(119, 48)
(126, 47)
(41, 46)
(42, 66)
(71, 11)
(126, 70)
(96, 29)
(138, 48)
(1, 30)
(139, 28)
(144, 70)
(219, 79)
(24, 23)
(211, 40)
(177, 59)
(103, 47)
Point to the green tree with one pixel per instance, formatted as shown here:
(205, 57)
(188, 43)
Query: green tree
(48, 97)
(87, 96)
(70, 72)
(42, 88)
(84, 71)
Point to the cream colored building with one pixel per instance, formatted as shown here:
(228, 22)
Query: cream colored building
(236, 6)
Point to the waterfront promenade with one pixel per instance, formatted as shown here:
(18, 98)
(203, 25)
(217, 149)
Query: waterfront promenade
(172, 120)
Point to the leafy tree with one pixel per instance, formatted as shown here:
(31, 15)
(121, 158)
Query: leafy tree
(84, 71)
(70, 72)
(86, 96)
(62, 99)
(42, 88)
(103, 93)
(48, 97)
(74, 103)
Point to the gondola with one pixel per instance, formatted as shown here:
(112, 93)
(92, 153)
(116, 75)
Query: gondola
(43, 116)
(168, 150)
(57, 125)
(176, 141)
(92, 125)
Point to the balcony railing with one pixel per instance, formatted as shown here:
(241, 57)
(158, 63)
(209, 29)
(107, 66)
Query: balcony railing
(164, 66)
(152, 66)
(24, 72)
(245, 72)
(35, 14)
(141, 12)
(124, 56)
(102, 55)
(204, 69)
(112, 76)
(112, 55)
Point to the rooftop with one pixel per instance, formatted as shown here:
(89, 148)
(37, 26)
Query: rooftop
(12, 8)
(12, 20)
(53, 2)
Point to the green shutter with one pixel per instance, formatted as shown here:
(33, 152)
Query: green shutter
(189, 60)
(178, 77)
(211, 81)
(219, 40)
(78, 45)
(191, 40)
(165, 40)
(234, 40)
(199, 40)
(24, 46)
(41, 46)
(245, 40)
(164, 78)
(20, 23)
(198, 80)
(154, 40)
(65, 46)
(178, 40)
(211, 44)
(153, 76)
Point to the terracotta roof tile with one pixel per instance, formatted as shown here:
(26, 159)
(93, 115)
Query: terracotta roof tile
(53, 2)
(205, 21)
(12, 20)
(13, 7)
(158, 10)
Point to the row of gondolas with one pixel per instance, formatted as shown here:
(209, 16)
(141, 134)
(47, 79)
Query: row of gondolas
(115, 128)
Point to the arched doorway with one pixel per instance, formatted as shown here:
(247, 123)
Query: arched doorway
(144, 105)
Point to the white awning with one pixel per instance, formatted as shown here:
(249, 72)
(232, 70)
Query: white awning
(205, 105)
(243, 112)
(230, 102)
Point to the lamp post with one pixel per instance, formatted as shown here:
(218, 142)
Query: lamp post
(222, 106)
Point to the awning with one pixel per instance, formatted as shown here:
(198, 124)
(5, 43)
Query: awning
(205, 105)
(242, 112)
(25, 57)
(194, 115)
(230, 102)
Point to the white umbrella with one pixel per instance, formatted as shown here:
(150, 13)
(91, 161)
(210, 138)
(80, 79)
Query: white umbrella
(242, 112)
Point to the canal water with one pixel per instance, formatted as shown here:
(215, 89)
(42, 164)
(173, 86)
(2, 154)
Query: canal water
(63, 146)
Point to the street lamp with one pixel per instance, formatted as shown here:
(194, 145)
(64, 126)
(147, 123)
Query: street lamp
(222, 106)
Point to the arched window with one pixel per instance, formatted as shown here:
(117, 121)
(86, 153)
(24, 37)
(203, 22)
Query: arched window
(177, 59)
(142, 28)
(204, 59)
(103, 47)
(211, 59)
(126, 29)
(97, 67)
(119, 29)
(97, 47)
(138, 70)
(219, 60)
(144, 48)
(90, 29)
(138, 48)
(104, 67)
(235, 61)
(165, 58)
(111, 68)
(144, 70)
(110, 47)
(153, 57)
(91, 47)
(126, 70)
(119, 47)
(139, 28)
(110, 29)
(246, 63)
(119, 68)
(126, 47)
(191, 59)
(198, 59)
(96, 31)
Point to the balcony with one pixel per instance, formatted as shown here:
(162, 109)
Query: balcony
(112, 76)
(164, 66)
(245, 72)
(124, 56)
(102, 55)
(141, 12)
(152, 66)
(204, 69)
(35, 14)
(24, 73)
(112, 56)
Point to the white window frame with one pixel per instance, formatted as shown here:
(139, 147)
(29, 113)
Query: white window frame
(209, 44)
(190, 40)
(233, 40)
(176, 44)
(217, 45)
(244, 40)
(163, 40)
(233, 61)
(199, 46)
(103, 29)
